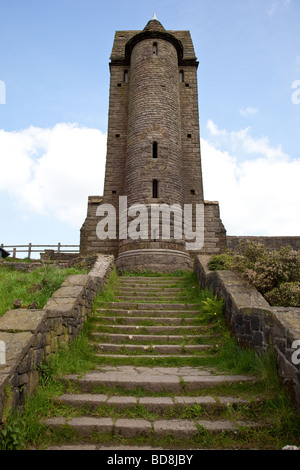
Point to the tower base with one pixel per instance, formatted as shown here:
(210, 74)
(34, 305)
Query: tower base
(131, 257)
(154, 260)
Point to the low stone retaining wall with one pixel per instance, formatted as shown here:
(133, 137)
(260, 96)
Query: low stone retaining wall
(270, 243)
(29, 336)
(255, 323)
(18, 266)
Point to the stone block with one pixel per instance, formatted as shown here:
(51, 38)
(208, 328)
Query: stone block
(16, 346)
(22, 320)
(129, 428)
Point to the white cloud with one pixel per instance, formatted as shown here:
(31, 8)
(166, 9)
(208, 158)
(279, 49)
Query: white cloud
(248, 111)
(242, 143)
(51, 172)
(276, 5)
(258, 194)
(213, 128)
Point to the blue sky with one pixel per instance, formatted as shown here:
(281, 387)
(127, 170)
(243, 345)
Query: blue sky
(54, 86)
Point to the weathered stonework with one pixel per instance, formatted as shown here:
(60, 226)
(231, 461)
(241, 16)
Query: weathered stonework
(153, 145)
(270, 243)
(32, 335)
(255, 323)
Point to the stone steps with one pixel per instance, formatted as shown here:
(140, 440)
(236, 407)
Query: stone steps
(165, 329)
(156, 379)
(85, 426)
(155, 348)
(133, 357)
(151, 312)
(151, 280)
(148, 290)
(147, 320)
(134, 329)
(184, 307)
(148, 338)
(142, 297)
(150, 403)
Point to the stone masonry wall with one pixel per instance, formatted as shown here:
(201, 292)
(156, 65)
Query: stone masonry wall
(270, 243)
(30, 336)
(255, 323)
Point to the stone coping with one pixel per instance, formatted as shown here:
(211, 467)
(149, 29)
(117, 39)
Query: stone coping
(245, 297)
(254, 322)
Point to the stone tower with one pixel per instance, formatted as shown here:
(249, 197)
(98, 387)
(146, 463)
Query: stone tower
(153, 157)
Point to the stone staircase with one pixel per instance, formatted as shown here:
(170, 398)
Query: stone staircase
(153, 387)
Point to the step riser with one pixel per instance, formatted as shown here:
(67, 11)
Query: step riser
(152, 329)
(163, 349)
(141, 320)
(120, 338)
(152, 279)
(156, 384)
(151, 404)
(130, 359)
(154, 313)
(142, 298)
(150, 306)
(149, 289)
(149, 294)
(183, 429)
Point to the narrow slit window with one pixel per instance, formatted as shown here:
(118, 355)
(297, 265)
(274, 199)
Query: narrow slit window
(181, 76)
(154, 149)
(154, 48)
(155, 189)
(125, 76)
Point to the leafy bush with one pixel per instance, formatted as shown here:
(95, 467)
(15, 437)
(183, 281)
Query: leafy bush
(12, 435)
(286, 295)
(219, 262)
(275, 274)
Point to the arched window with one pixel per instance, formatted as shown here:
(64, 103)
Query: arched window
(155, 189)
(181, 76)
(154, 149)
(154, 48)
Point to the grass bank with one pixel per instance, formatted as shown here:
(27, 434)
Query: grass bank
(268, 402)
(30, 289)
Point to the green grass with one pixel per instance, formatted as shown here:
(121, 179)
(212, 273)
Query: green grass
(36, 286)
(78, 357)
(149, 273)
(268, 402)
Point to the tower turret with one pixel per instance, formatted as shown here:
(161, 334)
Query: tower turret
(153, 154)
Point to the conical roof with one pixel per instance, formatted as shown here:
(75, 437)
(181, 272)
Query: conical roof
(154, 25)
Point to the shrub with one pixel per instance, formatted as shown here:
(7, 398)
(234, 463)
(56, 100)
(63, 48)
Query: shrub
(286, 295)
(275, 274)
(219, 262)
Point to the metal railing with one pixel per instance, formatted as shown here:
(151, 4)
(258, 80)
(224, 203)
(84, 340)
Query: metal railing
(30, 248)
